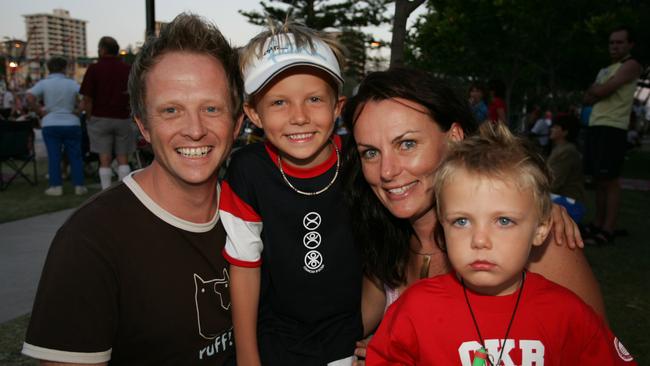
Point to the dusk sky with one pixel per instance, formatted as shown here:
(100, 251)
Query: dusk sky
(125, 19)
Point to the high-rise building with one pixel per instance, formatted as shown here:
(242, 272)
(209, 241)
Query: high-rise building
(55, 34)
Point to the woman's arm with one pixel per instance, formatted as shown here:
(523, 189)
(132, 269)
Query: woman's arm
(244, 295)
(569, 268)
(373, 303)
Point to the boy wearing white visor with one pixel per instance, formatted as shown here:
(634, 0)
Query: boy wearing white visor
(295, 270)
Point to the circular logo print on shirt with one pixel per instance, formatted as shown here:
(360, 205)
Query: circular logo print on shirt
(311, 240)
(313, 261)
(622, 351)
(311, 221)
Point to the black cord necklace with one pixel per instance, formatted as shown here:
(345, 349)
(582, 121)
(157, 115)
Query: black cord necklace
(483, 350)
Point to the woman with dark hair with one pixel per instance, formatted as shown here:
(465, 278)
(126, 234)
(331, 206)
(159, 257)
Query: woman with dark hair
(402, 121)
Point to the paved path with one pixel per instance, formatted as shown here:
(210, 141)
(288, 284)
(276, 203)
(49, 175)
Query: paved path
(23, 247)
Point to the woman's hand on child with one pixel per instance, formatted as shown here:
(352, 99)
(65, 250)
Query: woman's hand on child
(564, 229)
(360, 352)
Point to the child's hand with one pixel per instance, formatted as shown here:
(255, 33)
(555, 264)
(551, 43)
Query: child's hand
(360, 352)
(564, 230)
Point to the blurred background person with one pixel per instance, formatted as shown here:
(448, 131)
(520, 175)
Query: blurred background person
(541, 130)
(497, 109)
(565, 162)
(477, 102)
(60, 125)
(106, 103)
(611, 95)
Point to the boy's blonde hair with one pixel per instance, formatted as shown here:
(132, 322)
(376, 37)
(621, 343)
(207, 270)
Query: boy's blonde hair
(299, 36)
(496, 153)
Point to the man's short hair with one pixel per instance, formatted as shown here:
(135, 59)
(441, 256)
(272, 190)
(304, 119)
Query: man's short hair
(186, 33)
(110, 45)
(631, 35)
(56, 65)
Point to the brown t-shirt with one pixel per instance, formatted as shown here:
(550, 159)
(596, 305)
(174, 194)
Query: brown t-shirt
(126, 281)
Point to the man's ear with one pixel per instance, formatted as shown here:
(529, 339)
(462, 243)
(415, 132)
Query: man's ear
(252, 115)
(143, 129)
(238, 124)
(542, 231)
(456, 132)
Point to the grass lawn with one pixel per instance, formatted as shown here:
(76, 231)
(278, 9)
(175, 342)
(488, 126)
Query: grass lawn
(21, 200)
(623, 269)
(12, 334)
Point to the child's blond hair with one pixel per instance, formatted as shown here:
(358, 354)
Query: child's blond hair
(286, 45)
(498, 154)
(304, 36)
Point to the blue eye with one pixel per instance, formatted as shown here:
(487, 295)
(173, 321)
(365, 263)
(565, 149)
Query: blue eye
(211, 109)
(461, 221)
(369, 154)
(407, 144)
(169, 110)
(278, 102)
(505, 221)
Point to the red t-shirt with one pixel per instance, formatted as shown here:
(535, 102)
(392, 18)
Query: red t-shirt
(496, 104)
(430, 324)
(106, 83)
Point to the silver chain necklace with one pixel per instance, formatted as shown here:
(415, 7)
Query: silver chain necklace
(336, 174)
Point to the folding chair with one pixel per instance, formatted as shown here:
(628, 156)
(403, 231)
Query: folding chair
(16, 151)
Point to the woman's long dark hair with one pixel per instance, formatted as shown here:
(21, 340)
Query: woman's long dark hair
(384, 239)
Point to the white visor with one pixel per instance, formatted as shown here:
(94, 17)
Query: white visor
(281, 53)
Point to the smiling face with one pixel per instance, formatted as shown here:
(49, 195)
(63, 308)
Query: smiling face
(189, 118)
(400, 147)
(297, 112)
(490, 226)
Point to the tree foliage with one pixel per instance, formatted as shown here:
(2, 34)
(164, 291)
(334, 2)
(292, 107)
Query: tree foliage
(545, 48)
(321, 14)
(348, 17)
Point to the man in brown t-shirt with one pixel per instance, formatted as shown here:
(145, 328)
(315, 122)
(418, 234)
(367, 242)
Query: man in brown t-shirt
(135, 275)
(106, 102)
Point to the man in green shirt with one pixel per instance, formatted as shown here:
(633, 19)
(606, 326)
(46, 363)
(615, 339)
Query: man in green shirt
(611, 95)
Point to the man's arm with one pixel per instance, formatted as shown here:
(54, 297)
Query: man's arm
(244, 295)
(86, 105)
(629, 71)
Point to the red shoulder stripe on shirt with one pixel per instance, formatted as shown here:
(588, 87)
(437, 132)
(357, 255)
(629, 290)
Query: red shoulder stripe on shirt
(239, 262)
(230, 202)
